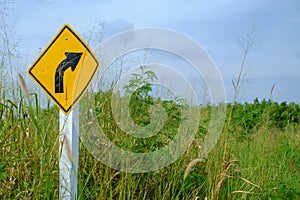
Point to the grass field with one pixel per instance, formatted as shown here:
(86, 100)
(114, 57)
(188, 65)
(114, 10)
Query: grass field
(256, 157)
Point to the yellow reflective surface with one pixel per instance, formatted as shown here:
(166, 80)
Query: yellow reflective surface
(75, 77)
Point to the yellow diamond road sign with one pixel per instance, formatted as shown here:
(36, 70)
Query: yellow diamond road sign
(65, 68)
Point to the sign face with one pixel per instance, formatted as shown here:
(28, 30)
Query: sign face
(65, 69)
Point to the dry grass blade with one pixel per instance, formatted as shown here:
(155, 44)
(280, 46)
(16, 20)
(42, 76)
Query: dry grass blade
(66, 145)
(271, 92)
(24, 86)
(223, 176)
(250, 183)
(190, 167)
(240, 191)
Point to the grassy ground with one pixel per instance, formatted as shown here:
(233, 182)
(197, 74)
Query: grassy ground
(257, 156)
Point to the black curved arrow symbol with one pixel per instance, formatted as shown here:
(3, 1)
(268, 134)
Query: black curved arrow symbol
(71, 60)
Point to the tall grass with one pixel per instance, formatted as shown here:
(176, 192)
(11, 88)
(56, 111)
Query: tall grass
(261, 159)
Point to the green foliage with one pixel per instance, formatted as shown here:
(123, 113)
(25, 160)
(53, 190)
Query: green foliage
(249, 116)
(138, 89)
(139, 111)
(284, 114)
(141, 82)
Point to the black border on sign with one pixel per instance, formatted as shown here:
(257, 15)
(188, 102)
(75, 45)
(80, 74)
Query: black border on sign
(66, 111)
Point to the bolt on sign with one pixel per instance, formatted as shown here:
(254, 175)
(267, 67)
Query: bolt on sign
(65, 69)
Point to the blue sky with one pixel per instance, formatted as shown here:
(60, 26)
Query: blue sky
(217, 25)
